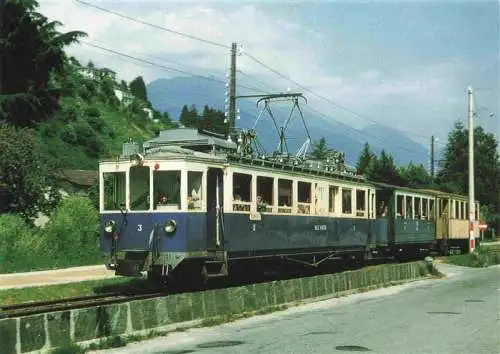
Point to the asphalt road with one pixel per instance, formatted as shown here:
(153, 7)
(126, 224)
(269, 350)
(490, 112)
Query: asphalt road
(458, 314)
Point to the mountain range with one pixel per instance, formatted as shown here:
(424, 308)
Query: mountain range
(169, 95)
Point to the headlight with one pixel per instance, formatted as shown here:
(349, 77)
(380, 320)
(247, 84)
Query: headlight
(109, 226)
(170, 226)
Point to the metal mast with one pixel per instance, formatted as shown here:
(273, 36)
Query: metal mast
(231, 93)
(432, 157)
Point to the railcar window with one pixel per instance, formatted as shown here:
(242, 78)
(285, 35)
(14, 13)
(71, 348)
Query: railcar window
(285, 196)
(241, 191)
(425, 204)
(139, 187)
(457, 209)
(167, 190)
(360, 202)
(409, 207)
(304, 198)
(445, 207)
(464, 214)
(332, 195)
(346, 201)
(431, 209)
(195, 190)
(400, 210)
(114, 190)
(265, 198)
(416, 207)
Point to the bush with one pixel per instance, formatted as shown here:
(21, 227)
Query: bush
(92, 112)
(68, 134)
(97, 123)
(73, 232)
(88, 139)
(22, 247)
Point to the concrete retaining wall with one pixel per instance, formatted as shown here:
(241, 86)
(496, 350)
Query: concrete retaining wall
(38, 332)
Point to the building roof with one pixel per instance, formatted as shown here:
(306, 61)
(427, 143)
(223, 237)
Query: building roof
(80, 177)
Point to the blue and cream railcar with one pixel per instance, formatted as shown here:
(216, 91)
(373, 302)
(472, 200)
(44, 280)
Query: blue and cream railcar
(176, 208)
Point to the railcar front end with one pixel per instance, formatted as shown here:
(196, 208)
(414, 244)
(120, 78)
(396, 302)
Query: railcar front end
(154, 217)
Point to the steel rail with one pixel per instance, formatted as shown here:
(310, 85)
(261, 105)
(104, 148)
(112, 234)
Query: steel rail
(39, 307)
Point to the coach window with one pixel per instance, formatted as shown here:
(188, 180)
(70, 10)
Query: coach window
(416, 208)
(447, 208)
(114, 190)
(400, 206)
(304, 198)
(167, 190)
(333, 191)
(195, 190)
(409, 207)
(425, 211)
(346, 201)
(241, 192)
(265, 195)
(457, 209)
(432, 211)
(464, 211)
(360, 202)
(285, 196)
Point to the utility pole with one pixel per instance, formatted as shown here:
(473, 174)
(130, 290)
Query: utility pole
(432, 157)
(472, 206)
(232, 90)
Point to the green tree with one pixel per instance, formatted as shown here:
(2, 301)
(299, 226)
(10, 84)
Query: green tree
(25, 175)
(320, 149)
(415, 175)
(454, 172)
(384, 169)
(138, 88)
(364, 160)
(189, 117)
(32, 52)
(213, 120)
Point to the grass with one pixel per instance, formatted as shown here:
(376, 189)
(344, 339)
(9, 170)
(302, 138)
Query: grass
(483, 257)
(61, 291)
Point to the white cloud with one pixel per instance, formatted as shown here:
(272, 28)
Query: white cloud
(291, 48)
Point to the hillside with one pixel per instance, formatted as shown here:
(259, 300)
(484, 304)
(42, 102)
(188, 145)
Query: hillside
(95, 118)
(170, 95)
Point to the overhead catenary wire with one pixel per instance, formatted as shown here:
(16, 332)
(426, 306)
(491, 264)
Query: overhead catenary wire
(153, 25)
(161, 66)
(252, 57)
(258, 61)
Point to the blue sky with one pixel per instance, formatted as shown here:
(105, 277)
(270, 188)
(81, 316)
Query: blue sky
(405, 64)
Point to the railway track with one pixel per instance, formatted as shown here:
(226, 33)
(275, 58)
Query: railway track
(39, 307)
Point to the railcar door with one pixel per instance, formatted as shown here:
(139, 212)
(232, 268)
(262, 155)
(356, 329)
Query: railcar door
(215, 210)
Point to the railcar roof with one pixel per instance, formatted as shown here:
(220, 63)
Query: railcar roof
(434, 192)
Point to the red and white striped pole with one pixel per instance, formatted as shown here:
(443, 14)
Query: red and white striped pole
(472, 206)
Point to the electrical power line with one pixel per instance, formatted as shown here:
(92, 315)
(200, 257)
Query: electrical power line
(362, 116)
(153, 25)
(258, 62)
(161, 66)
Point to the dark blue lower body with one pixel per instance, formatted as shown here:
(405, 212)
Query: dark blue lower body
(271, 234)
